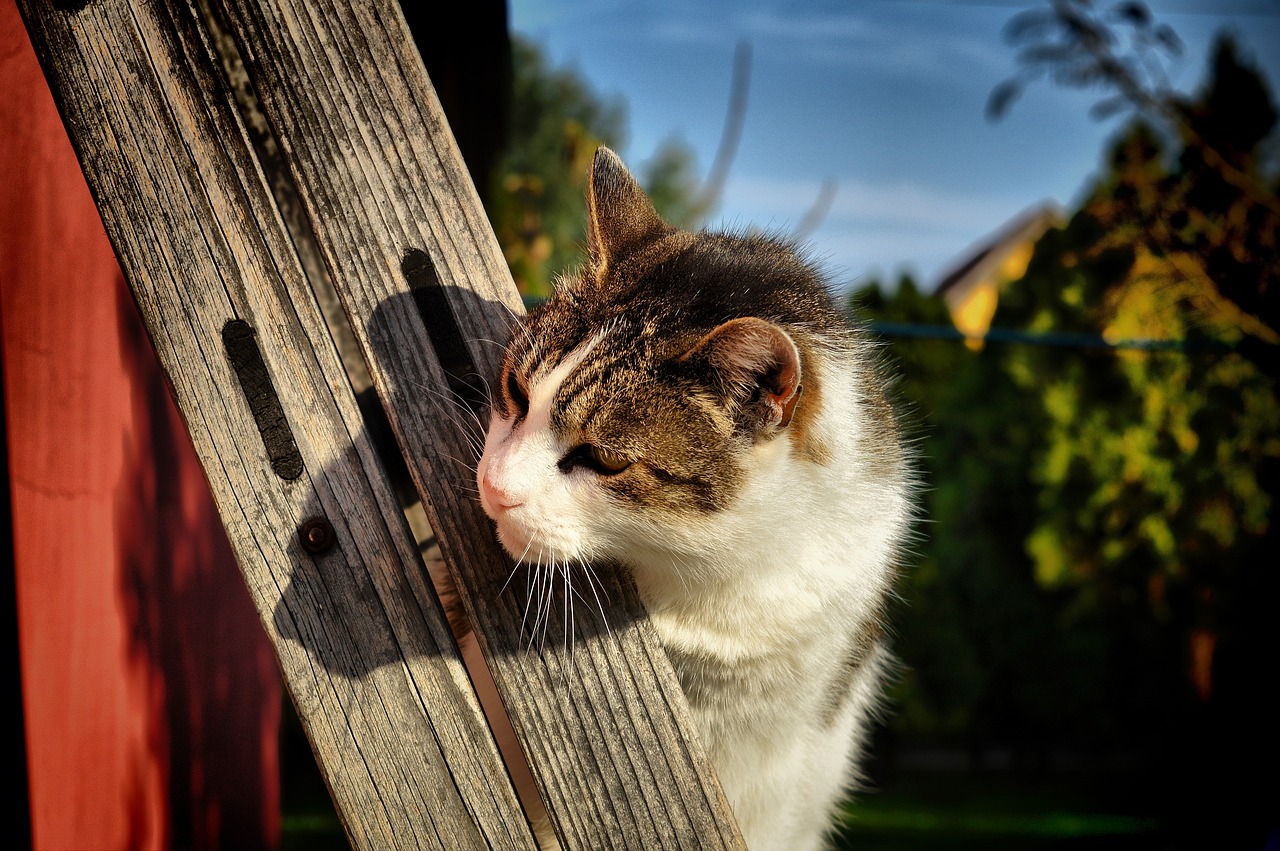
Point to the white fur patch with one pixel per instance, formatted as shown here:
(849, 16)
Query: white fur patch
(520, 462)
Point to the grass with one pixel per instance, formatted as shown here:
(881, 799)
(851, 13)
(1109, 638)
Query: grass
(316, 829)
(908, 810)
(920, 811)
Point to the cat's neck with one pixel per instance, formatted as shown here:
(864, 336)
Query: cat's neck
(798, 524)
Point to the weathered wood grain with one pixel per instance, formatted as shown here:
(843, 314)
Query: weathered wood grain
(604, 723)
(411, 256)
(365, 651)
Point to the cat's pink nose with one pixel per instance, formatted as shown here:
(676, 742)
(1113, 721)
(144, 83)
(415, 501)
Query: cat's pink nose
(495, 497)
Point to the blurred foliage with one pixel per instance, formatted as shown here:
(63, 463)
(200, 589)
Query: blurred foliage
(537, 196)
(1212, 221)
(1099, 563)
(975, 629)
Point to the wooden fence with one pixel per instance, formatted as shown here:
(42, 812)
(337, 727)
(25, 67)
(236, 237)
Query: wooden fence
(294, 220)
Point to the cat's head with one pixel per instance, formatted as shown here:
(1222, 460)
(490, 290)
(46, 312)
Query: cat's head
(640, 402)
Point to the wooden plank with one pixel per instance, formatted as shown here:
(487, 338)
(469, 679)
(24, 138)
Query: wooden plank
(365, 651)
(604, 723)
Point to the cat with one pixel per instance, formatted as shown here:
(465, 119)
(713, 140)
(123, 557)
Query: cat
(693, 406)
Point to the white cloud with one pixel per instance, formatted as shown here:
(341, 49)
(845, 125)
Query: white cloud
(873, 228)
(898, 203)
(896, 45)
(689, 32)
(798, 26)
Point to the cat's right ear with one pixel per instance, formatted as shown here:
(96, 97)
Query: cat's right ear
(756, 365)
(620, 216)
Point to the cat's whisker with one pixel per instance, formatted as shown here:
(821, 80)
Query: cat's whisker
(578, 593)
(568, 598)
(514, 568)
(595, 577)
(469, 466)
(551, 599)
(477, 450)
(469, 485)
(526, 334)
(474, 440)
(538, 606)
(573, 626)
(547, 591)
(490, 341)
(459, 406)
(592, 579)
(474, 436)
(571, 661)
(545, 576)
(488, 389)
(509, 311)
(516, 323)
(532, 580)
(448, 396)
(473, 415)
(528, 597)
(530, 577)
(538, 579)
(475, 444)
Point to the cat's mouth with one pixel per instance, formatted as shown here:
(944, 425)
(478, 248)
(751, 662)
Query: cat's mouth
(534, 545)
(516, 541)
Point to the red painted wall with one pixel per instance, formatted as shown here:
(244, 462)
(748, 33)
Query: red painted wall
(150, 693)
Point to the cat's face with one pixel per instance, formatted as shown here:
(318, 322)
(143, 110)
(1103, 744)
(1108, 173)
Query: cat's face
(593, 445)
(635, 405)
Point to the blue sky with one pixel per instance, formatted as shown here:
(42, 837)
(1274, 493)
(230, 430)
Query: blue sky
(885, 97)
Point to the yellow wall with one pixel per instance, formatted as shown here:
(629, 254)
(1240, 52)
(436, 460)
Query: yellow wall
(971, 312)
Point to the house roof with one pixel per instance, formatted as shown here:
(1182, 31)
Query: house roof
(985, 256)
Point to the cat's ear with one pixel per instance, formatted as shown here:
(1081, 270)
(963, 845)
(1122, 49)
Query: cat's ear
(757, 367)
(619, 214)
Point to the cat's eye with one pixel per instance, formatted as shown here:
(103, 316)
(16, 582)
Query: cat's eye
(516, 394)
(603, 461)
(607, 462)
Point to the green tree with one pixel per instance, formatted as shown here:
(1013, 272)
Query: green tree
(536, 198)
(1156, 472)
(1155, 475)
(976, 633)
(943, 676)
(1097, 569)
(1218, 231)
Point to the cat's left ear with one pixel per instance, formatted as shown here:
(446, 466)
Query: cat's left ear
(620, 216)
(757, 367)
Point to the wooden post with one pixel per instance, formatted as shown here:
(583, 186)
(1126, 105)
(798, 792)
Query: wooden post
(320, 537)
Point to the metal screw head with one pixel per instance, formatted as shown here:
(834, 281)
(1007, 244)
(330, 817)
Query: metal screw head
(316, 535)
